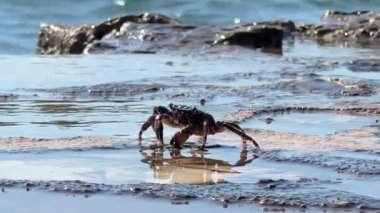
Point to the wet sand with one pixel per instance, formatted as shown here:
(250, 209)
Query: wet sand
(37, 201)
(20, 201)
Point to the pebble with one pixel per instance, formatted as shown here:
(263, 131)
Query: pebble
(202, 102)
(169, 63)
(342, 204)
(180, 202)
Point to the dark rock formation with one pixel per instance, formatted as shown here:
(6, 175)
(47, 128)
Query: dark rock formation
(364, 65)
(58, 39)
(356, 28)
(255, 38)
(148, 33)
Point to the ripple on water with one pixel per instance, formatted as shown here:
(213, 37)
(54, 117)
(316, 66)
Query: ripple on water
(318, 123)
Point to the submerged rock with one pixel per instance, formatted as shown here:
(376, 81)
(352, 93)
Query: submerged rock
(364, 65)
(331, 86)
(288, 194)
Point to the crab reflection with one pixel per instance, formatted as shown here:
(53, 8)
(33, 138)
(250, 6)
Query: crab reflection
(193, 169)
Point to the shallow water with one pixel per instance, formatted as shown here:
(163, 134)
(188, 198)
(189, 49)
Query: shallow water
(113, 95)
(311, 123)
(31, 202)
(317, 158)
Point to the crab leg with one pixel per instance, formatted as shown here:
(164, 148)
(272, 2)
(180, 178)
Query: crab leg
(244, 160)
(205, 133)
(238, 130)
(158, 128)
(146, 125)
(181, 136)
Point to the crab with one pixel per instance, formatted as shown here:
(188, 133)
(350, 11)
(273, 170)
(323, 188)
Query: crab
(192, 122)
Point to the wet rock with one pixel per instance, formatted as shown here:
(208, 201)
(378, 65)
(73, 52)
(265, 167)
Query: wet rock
(314, 85)
(108, 90)
(357, 28)
(269, 120)
(288, 27)
(335, 87)
(347, 165)
(180, 202)
(149, 33)
(265, 181)
(202, 102)
(59, 39)
(135, 189)
(364, 65)
(254, 38)
(169, 63)
(342, 204)
(291, 194)
(8, 97)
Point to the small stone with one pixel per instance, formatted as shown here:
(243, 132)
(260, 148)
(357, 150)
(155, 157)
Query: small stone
(225, 205)
(269, 120)
(180, 202)
(202, 102)
(28, 184)
(342, 204)
(135, 189)
(225, 200)
(169, 63)
(265, 181)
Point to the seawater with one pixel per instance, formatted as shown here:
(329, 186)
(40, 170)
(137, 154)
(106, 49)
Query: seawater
(21, 19)
(41, 97)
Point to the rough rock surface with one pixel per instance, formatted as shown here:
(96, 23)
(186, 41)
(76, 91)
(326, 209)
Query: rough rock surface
(364, 65)
(59, 39)
(355, 28)
(286, 193)
(147, 33)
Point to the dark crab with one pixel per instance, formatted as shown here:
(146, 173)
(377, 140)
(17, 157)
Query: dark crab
(192, 121)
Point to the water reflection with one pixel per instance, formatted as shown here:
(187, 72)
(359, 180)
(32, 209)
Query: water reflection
(193, 169)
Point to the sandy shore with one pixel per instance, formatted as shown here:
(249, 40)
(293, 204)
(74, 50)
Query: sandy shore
(20, 201)
(364, 138)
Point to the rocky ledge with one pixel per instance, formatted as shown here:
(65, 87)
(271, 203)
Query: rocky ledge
(360, 28)
(149, 33)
